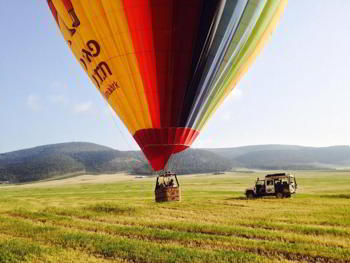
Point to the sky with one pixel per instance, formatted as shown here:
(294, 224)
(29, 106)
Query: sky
(297, 92)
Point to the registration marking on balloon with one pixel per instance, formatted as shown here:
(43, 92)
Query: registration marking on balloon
(102, 71)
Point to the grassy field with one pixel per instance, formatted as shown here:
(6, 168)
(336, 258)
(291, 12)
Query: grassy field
(118, 221)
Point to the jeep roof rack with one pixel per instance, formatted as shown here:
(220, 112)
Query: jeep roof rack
(276, 174)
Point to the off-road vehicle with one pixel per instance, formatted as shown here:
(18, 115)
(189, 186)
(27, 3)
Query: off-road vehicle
(279, 185)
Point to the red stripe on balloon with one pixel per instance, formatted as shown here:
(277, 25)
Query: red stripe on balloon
(138, 14)
(159, 144)
(164, 35)
(186, 18)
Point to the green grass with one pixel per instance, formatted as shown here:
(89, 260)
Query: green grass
(120, 222)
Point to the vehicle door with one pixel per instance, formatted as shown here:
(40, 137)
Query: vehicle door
(292, 185)
(260, 187)
(270, 186)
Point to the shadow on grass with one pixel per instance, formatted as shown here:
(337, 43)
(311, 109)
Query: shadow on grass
(111, 208)
(238, 198)
(339, 196)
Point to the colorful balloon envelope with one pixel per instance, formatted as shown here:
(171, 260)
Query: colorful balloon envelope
(165, 66)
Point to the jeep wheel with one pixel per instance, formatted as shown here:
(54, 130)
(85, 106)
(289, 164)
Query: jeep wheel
(249, 195)
(279, 195)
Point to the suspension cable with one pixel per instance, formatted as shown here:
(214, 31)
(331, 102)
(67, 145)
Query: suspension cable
(112, 115)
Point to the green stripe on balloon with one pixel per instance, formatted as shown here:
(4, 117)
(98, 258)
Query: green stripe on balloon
(239, 61)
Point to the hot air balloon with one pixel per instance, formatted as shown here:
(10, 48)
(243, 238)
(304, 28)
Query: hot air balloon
(165, 66)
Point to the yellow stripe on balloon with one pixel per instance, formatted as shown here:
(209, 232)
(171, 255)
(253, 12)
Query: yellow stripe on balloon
(115, 70)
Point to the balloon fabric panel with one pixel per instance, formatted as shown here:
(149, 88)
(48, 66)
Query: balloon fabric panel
(267, 23)
(165, 66)
(229, 18)
(243, 31)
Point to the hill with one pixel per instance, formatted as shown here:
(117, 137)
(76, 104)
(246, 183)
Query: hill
(234, 152)
(49, 161)
(55, 160)
(193, 161)
(290, 157)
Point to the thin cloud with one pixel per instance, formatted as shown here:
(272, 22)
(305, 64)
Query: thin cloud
(225, 111)
(33, 102)
(204, 143)
(56, 85)
(108, 111)
(234, 95)
(82, 107)
(58, 99)
(227, 116)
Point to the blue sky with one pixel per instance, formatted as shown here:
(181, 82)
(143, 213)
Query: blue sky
(297, 92)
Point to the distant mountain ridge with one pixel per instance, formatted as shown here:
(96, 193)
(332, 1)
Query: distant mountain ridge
(45, 162)
(290, 157)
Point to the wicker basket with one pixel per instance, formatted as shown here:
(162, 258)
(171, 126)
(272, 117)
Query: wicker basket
(167, 193)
